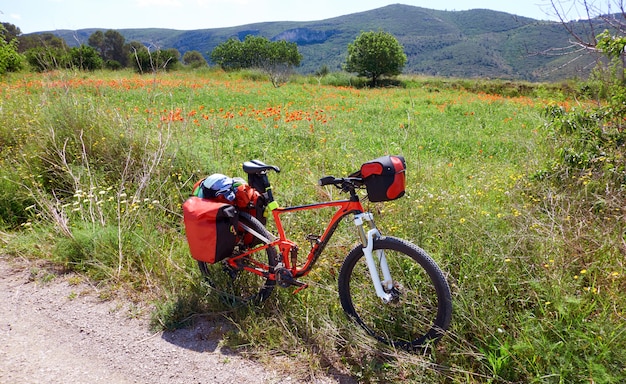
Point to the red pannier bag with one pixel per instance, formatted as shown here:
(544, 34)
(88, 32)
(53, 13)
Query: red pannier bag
(384, 178)
(210, 229)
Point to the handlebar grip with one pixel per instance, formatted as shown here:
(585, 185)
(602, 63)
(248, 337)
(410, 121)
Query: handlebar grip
(327, 180)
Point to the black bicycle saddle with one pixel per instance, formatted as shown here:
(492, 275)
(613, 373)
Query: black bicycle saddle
(257, 166)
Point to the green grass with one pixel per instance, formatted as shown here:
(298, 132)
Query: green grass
(99, 164)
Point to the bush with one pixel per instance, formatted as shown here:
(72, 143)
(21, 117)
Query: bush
(10, 59)
(146, 61)
(85, 58)
(590, 145)
(194, 59)
(44, 59)
(14, 203)
(113, 65)
(276, 58)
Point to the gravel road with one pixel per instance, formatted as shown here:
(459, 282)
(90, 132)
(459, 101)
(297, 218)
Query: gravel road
(59, 332)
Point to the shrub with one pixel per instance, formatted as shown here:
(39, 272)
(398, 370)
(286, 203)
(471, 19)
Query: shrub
(85, 58)
(10, 59)
(146, 61)
(44, 59)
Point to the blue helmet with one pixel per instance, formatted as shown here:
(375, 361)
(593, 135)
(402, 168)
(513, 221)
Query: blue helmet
(218, 185)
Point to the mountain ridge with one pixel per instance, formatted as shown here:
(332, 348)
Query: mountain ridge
(474, 43)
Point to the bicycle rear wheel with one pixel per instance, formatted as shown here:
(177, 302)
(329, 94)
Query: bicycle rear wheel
(421, 308)
(234, 285)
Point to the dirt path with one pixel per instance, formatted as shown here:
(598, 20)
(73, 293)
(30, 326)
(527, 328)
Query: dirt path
(58, 332)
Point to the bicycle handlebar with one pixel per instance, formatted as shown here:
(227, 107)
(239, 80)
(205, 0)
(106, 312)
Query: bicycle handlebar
(346, 184)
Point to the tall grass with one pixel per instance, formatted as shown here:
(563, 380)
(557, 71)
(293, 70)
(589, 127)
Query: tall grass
(99, 164)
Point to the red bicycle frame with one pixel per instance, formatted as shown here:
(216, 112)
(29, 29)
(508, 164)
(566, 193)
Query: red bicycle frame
(289, 249)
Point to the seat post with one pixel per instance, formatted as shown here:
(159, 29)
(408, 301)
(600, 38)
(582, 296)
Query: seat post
(257, 176)
(266, 186)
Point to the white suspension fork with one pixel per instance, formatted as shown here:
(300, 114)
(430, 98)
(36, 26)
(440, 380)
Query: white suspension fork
(368, 246)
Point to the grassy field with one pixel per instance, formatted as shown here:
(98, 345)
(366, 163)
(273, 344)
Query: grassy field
(95, 168)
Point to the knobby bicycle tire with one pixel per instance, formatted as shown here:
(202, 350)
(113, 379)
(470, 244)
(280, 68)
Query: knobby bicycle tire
(422, 309)
(236, 286)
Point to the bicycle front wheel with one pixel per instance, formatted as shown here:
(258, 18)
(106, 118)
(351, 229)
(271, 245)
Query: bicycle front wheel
(420, 308)
(235, 285)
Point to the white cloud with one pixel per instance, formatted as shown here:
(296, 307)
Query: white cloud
(205, 3)
(15, 16)
(159, 3)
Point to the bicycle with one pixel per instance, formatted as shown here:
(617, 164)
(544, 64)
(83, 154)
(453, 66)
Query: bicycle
(389, 286)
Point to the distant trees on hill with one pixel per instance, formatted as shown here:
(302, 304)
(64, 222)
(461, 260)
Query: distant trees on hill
(45, 51)
(372, 54)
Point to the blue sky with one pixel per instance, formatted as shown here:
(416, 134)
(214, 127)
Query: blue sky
(45, 15)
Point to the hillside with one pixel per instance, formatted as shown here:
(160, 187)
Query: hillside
(474, 43)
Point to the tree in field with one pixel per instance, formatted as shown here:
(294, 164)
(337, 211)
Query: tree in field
(45, 52)
(111, 46)
(146, 61)
(46, 41)
(375, 54)
(229, 55)
(96, 41)
(115, 47)
(276, 58)
(9, 31)
(10, 59)
(85, 58)
(194, 59)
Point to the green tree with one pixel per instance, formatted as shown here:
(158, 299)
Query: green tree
(111, 47)
(10, 59)
(276, 58)
(10, 31)
(194, 59)
(42, 59)
(96, 41)
(375, 54)
(229, 55)
(85, 58)
(47, 40)
(46, 52)
(115, 48)
(613, 47)
(146, 61)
